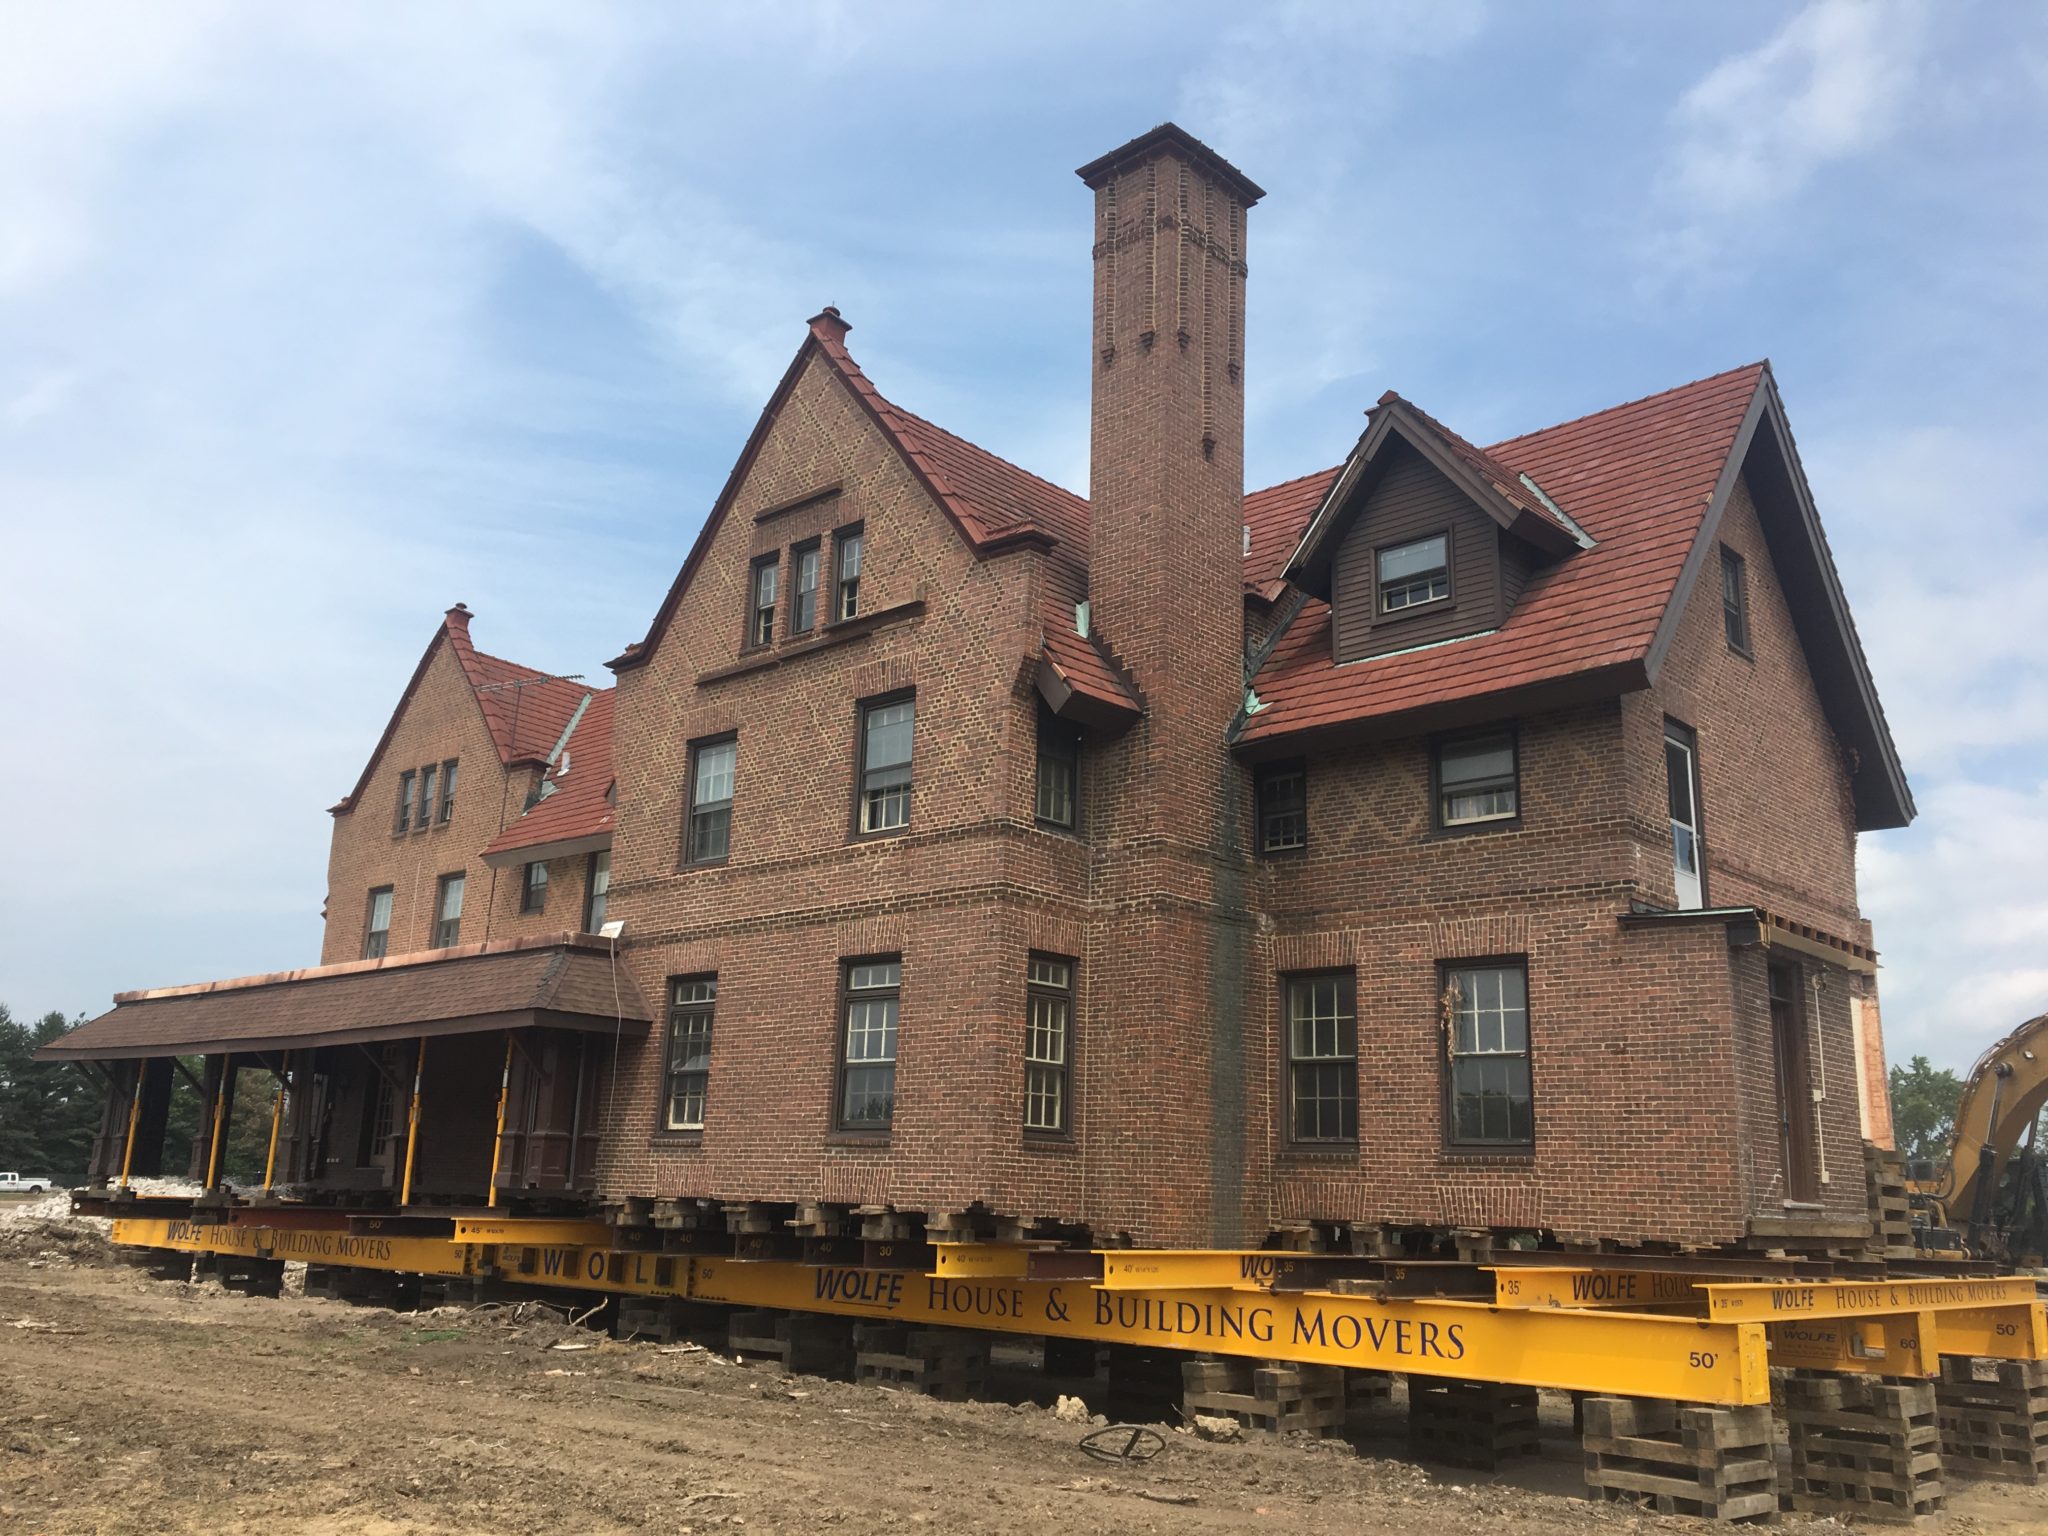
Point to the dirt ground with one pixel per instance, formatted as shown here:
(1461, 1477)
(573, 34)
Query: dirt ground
(131, 1404)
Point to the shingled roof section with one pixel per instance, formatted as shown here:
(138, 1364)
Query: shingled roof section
(1639, 478)
(1275, 518)
(577, 812)
(507, 983)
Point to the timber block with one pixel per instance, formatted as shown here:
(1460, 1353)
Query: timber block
(1861, 1445)
(663, 1319)
(1475, 1424)
(1712, 1463)
(950, 1363)
(1994, 1418)
(1281, 1398)
(802, 1343)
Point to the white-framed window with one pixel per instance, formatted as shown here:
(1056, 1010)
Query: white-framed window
(872, 995)
(1486, 1020)
(1414, 573)
(1476, 779)
(886, 728)
(692, 1000)
(1048, 1044)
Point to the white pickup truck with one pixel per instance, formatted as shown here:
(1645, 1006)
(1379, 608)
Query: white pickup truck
(17, 1183)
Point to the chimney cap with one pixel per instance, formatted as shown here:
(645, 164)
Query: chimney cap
(459, 614)
(829, 319)
(1171, 138)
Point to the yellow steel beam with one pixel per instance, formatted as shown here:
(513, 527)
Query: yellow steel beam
(1775, 1301)
(1886, 1344)
(1996, 1333)
(1629, 1289)
(1151, 1269)
(405, 1255)
(532, 1231)
(981, 1261)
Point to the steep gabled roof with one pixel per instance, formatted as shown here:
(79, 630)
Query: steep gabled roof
(524, 710)
(577, 810)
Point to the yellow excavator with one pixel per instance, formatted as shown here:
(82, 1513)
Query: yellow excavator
(1995, 1197)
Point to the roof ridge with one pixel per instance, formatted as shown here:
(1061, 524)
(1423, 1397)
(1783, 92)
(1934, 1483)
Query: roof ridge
(1761, 365)
(1281, 485)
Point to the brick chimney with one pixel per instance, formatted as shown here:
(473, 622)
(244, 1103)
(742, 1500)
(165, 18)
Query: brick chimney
(1166, 592)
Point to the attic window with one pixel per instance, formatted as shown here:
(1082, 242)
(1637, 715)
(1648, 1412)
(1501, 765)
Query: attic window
(1414, 573)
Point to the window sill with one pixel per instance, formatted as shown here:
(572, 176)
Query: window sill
(1747, 655)
(873, 1140)
(1414, 610)
(760, 657)
(1054, 1142)
(1482, 1157)
(1317, 1154)
(1284, 853)
(1473, 829)
(675, 1141)
(691, 866)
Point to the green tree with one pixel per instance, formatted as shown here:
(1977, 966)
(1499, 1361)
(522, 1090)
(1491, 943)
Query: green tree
(1924, 1109)
(49, 1110)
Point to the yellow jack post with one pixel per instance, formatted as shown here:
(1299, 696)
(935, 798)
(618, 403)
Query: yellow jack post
(498, 1142)
(276, 1118)
(134, 1113)
(220, 1099)
(412, 1124)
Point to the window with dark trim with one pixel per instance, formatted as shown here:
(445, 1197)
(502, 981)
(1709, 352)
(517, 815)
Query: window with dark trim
(428, 778)
(1735, 600)
(886, 727)
(405, 783)
(803, 589)
(871, 993)
(377, 929)
(597, 887)
(691, 1002)
(1322, 1057)
(447, 792)
(1477, 779)
(1486, 1040)
(1048, 1044)
(761, 581)
(846, 549)
(1414, 573)
(533, 886)
(1281, 791)
(1059, 770)
(712, 767)
(448, 912)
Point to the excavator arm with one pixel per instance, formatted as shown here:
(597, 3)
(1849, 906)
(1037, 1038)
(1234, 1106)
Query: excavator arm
(2004, 1093)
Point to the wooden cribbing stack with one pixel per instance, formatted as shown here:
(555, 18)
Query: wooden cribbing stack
(1994, 1417)
(1476, 1424)
(1861, 1445)
(1277, 1397)
(802, 1343)
(1713, 1463)
(950, 1363)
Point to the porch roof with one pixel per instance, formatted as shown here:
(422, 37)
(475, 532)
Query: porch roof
(568, 981)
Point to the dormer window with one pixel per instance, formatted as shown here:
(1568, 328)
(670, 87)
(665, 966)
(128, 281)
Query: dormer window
(1414, 573)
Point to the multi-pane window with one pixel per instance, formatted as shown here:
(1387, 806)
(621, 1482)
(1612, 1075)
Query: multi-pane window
(1322, 1058)
(690, 1004)
(1475, 780)
(429, 777)
(867, 1057)
(533, 887)
(885, 731)
(846, 573)
(1282, 795)
(447, 792)
(1414, 573)
(1735, 600)
(1059, 770)
(803, 597)
(405, 782)
(599, 885)
(761, 600)
(1486, 1026)
(1682, 790)
(712, 765)
(448, 912)
(377, 932)
(1048, 1043)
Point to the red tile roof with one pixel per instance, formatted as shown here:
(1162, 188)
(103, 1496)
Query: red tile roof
(1638, 478)
(1276, 516)
(579, 809)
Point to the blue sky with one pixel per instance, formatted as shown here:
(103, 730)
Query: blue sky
(314, 320)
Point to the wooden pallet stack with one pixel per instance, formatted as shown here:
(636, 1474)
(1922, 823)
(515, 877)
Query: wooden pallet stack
(1475, 1424)
(1994, 1417)
(664, 1320)
(802, 1343)
(1861, 1445)
(1278, 1397)
(949, 1363)
(1891, 1212)
(1679, 1459)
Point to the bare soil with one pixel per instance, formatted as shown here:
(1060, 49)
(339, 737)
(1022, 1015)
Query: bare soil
(130, 1404)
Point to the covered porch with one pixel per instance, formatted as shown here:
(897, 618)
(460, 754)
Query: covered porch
(454, 1078)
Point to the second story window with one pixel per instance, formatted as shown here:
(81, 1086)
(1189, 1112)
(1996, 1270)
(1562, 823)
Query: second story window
(846, 573)
(1413, 574)
(1282, 795)
(709, 837)
(1059, 770)
(1735, 600)
(691, 1002)
(377, 932)
(1476, 780)
(429, 777)
(761, 601)
(1048, 1056)
(447, 791)
(448, 913)
(867, 1047)
(533, 889)
(599, 886)
(803, 596)
(405, 781)
(884, 790)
